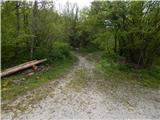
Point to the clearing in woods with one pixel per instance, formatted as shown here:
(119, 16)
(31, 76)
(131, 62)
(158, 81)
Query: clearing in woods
(84, 93)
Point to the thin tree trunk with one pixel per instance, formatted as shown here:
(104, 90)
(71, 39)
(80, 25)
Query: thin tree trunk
(115, 42)
(33, 30)
(24, 16)
(17, 28)
(25, 22)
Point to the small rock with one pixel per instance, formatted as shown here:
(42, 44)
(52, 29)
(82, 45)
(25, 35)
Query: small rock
(89, 112)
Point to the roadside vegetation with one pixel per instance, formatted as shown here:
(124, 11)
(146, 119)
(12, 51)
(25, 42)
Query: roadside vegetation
(113, 69)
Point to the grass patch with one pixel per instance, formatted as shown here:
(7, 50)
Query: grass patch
(88, 49)
(10, 90)
(91, 53)
(118, 72)
(79, 81)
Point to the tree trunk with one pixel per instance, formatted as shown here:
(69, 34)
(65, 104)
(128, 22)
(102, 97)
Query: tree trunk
(115, 42)
(17, 28)
(33, 29)
(21, 67)
(24, 16)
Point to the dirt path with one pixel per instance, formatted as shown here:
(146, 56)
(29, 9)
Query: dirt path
(83, 93)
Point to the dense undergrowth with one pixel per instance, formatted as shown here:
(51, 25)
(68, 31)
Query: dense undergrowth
(146, 77)
(57, 51)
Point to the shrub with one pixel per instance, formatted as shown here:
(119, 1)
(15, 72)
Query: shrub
(57, 51)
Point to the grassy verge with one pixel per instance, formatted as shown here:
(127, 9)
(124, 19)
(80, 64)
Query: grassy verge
(79, 81)
(11, 89)
(120, 73)
(149, 78)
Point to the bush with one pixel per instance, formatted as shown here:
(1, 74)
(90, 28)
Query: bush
(8, 58)
(58, 51)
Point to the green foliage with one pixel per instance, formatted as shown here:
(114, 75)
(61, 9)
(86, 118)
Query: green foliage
(130, 29)
(149, 78)
(50, 36)
(57, 51)
(60, 51)
(105, 41)
(8, 56)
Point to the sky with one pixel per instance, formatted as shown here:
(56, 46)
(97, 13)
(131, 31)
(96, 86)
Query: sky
(80, 3)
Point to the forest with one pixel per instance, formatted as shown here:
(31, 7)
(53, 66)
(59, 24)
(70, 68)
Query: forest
(122, 37)
(36, 30)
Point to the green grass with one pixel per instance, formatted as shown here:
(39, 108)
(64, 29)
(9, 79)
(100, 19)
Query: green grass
(79, 81)
(120, 73)
(88, 49)
(10, 90)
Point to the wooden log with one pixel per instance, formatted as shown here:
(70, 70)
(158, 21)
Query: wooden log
(21, 67)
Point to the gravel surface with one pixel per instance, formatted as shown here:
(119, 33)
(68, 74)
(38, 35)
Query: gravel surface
(83, 93)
